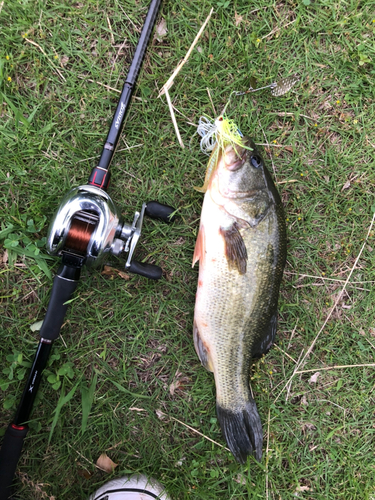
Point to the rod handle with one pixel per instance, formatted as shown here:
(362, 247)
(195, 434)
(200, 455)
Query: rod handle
(64, 284)
(9, 455)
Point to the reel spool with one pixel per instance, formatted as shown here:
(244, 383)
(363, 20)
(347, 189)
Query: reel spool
(86, 228)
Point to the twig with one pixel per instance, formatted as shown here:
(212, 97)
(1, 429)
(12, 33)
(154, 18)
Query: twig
(87, 460)
(371, 344)
(173, 118)
(170, 81)
(273, 145)
(212, 104)
(302, 362)
(278, 29)
(334, 367)
(293, 332)
(329, 279)
(195, 430)
(117, 55)
(99, 83)
(286, 182)
(267, 450)
(285, 353)
(283, 113)
(50, 61)
(110, 30)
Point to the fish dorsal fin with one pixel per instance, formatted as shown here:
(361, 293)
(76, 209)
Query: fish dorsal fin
(235, 248)
(200, 246)
(201, 350)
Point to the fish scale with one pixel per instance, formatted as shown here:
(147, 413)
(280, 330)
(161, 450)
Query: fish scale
(236, 307)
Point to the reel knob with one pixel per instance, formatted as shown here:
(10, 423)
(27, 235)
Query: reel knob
(143, 269)
(157, 210)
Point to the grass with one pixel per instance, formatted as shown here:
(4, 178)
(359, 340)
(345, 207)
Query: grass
(137, 335)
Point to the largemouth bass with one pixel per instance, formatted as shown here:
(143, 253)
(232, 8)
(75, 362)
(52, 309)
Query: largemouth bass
(241, 249)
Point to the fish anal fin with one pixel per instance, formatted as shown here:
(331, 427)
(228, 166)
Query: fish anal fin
(200, 246)
(201, 350)
(235, 248)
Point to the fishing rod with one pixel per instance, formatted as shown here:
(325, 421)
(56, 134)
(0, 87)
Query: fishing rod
(85, 229)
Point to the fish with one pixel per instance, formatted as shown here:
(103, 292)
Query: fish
(241, 249)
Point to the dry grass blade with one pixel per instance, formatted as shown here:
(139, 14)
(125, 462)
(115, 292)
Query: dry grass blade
(50, 61)
(194, 430)
(173, 118)
(170, 81)
(267, 450)
(100, 83)
(334, 367)
(303, 360)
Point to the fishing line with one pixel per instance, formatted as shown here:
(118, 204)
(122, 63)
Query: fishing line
(79, 235)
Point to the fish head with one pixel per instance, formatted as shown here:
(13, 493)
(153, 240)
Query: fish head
(241, 170)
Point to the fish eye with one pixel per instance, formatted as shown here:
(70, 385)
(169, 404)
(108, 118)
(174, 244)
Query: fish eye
(256, 161)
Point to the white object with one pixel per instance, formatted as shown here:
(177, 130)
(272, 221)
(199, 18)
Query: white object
(137, 487)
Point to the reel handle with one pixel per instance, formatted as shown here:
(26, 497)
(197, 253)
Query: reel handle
(157, 210)
(143, 269)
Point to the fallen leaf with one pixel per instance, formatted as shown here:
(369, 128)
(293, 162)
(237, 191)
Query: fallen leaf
(161, 30)
(302, 488)
(105, 463)
(112, 271)
(5, 256)
(85, 473)
(35, 327)
(199, 49)
(64, 61)
(161, 415)
(123, 275)
(240, 479)
(289, 148)
(346, 185)
(313, 379)
(237, 19)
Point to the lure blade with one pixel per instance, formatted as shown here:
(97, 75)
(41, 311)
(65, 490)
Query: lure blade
(253, 83)
(283, 86)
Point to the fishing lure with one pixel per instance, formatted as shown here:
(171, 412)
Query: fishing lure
(216, 136)
(278, 88)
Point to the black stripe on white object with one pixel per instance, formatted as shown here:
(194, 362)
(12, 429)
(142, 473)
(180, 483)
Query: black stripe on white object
(105, 496)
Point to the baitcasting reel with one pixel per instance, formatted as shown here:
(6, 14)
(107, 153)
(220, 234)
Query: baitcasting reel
(87, 227)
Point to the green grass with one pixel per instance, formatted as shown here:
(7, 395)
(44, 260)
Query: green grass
(138, 334)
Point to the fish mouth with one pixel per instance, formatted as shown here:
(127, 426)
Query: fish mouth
(234, 157)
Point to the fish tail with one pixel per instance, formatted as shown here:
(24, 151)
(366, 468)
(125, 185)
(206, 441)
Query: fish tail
(242, 430)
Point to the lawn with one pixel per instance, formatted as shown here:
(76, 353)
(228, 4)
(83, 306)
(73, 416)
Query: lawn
(151, 404)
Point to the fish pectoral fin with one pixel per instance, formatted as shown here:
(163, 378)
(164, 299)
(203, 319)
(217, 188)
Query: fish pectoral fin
(235, 248)
(202, 350)
(200, 246)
